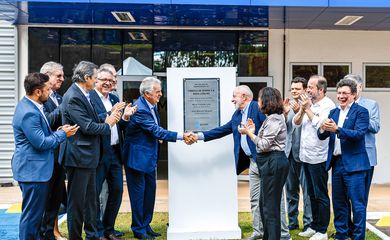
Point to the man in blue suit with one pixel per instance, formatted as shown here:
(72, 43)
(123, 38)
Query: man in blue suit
(33, 160)
(57, 190)
(245, 152)
(81, 154)
(140, 154)
(110, 166)
(347, 156)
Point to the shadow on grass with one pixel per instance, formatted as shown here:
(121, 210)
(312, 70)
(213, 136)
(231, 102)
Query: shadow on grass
(160, 221)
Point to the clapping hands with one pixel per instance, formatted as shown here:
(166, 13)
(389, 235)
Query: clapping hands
(249, 127)
(129, 111)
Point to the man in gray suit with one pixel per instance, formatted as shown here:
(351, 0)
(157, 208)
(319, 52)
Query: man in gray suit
(296, 175)
(373, 110)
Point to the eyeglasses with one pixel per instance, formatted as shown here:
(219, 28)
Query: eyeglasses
(107, 80)
(344, 93)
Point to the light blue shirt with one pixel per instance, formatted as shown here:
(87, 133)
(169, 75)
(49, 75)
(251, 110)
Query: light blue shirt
(152, 107)
(244, 142)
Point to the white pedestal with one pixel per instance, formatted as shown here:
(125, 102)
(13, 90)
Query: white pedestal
(202, 177)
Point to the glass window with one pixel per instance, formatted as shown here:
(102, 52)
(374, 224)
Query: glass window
(304, 70)
(377, 75)
(107, 47)
(44, 46)
(194, 49)
(253, 54)
(137, 50)
(334, 72)
(75, 47)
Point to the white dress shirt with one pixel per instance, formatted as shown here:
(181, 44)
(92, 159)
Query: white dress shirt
(108, 106)
(340, 123)
(312, 149)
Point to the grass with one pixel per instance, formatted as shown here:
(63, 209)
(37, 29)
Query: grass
(160, 221)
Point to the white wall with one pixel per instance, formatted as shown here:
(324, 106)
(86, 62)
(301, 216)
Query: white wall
(23, 57)
(355, 47)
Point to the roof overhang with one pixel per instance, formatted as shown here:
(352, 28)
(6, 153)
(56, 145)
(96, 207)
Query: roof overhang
(293, 14)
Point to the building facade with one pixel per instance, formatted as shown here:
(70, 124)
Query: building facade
(270, 39)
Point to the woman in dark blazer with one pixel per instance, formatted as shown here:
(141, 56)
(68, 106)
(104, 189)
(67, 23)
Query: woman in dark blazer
(271, 159)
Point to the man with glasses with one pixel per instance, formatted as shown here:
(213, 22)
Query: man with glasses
(115, 78)
(103, 197)
(57, 190)
(110, 167)
(345, 128)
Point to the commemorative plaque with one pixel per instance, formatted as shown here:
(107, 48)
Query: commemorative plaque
(201, 104)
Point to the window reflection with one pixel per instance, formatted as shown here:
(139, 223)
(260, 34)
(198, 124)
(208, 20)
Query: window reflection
(43, 47)
(107, 47)
(253, 54)
(377, 76)
(333, 73)
(137, 45)
(305, 71)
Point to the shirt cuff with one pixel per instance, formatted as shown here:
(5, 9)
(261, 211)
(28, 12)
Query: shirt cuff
(200, 136)
(179, 136)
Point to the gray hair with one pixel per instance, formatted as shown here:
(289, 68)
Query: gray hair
(354, 77)
(107, 66)
(347, 83)
(50, 67)
(147, 85)
(82, 70)
(102, 70)
(244, 89)
(321, 82)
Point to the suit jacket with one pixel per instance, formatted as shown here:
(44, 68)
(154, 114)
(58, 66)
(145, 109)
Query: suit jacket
(351, 135)
(373, 127)
(33, 159)
(258, 117)
(140, 148)
(107, 152)
(83, 149)
(293, 141)
(52, 112)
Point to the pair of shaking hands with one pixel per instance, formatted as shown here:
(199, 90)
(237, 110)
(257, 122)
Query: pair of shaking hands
(190, 138)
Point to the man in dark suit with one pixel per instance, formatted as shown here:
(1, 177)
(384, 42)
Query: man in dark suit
(110, 166)
(140, 153)
(33, 160)
(57, 190)
(347, 156)
(81, 154)
(244, 148)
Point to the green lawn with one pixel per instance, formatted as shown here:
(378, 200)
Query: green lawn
(160, 221)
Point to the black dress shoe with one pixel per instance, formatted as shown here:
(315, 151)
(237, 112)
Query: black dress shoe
(144, 236)
(118, 233)
(153, 233)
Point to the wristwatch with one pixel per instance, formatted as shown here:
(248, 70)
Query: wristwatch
(337, 131)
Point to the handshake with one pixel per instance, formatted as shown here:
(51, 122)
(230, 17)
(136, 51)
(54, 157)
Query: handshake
(190, 138)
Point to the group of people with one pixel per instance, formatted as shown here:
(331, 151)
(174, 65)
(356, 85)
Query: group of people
(291, 143)
(88, 134)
